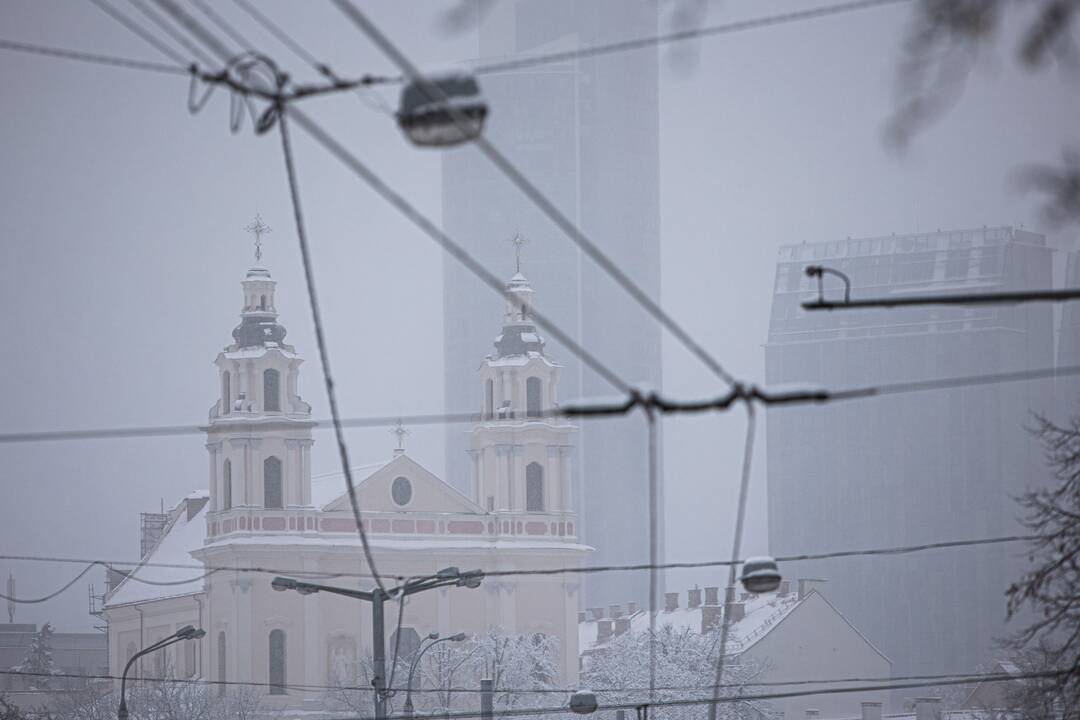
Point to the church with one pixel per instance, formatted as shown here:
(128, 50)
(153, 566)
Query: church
(264, 510)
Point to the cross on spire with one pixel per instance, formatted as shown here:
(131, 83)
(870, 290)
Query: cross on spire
(258, 229)
(400, 431)
(518, 240)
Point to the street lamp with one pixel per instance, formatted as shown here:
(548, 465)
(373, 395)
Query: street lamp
(760, 575)
(442, 110)
(435, 640)
(446, 577)
(188, 632)
(583, 702)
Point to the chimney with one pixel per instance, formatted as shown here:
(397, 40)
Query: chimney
(622, 624)
(581, 616)
(597, 613)
(784, 589)
(693, 599)
(710, 616)
(671, 602)
(712, 596)
(806, 585)
(812, 713)
(733, 611)
(616, 611)
(631, 608)
(603, 631)
(927, 708)
(871, 711)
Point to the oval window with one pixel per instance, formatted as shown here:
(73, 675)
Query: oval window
(401, 491)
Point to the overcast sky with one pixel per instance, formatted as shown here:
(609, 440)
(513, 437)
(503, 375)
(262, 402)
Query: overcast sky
(122, 216)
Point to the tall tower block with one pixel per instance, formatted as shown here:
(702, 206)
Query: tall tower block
(586, 133)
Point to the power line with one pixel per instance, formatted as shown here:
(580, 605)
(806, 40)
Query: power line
(774, 397)
(448, 244)
(736, 549)
(223, 24)
(95, 58)
(964, 678)
(567, 570)
(320, 339)
(679, 36)
(139, 30)
(533, 193)
(172, 32)
(90, 566)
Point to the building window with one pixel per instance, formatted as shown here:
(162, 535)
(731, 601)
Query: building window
(534, 487)
(272, 499)
(489, 399)
(226, 485)
(221, 662)
(271, 391)
(410, 642)
(226, 393)
(277, 662)
(401, 490)
(262, 302)
(533, 404)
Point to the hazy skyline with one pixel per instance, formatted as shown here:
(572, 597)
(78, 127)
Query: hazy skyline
(123, 216)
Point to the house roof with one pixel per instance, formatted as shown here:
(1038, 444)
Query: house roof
(762, 613)
(149, 580)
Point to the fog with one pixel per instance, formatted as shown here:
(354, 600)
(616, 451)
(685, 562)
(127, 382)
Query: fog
(123, 215)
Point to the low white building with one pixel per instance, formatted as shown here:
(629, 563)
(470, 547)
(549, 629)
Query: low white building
(263, 509)
(794, 637)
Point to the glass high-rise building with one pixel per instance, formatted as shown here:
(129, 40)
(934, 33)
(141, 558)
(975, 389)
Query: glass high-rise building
(914, 467)
(586, 133)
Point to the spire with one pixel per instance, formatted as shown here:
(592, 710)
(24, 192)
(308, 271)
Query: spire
(258, 318)
(519, 336)
(258, 229)
(401, 433)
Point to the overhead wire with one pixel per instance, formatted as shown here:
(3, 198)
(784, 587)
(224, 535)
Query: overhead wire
(320, 341)
(564, 570)
(373, 100)
(485, 68)
(125, 20)
(172, 32)
(527, 188)
(930, 680)
(94, 58)
(736, 548)
(223, 24)
(769, 397)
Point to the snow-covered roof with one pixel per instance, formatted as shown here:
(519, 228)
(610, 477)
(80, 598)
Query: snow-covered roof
(383, 543)
(150, 581)
(761, 613)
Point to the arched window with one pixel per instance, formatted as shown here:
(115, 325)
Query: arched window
(272, 499)
(271, 390)
(534, 487)
(221, 662)
(226, 393)
(533, 404)
(489, 399)
(410, 642)
(226, 485)
(277, 662)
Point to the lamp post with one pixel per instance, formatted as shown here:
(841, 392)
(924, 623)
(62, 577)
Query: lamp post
(446, 577)
(408, 709)
(188, 632)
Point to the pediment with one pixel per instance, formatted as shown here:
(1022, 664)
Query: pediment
(421, 491)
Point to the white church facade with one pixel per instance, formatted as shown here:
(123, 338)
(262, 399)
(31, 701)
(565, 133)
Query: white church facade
(264, 515)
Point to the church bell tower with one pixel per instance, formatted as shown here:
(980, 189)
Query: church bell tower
(521, 454)
(259, 431)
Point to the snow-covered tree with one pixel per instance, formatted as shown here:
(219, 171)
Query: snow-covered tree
(685, 670)
(39, 664)
(1051, 587)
